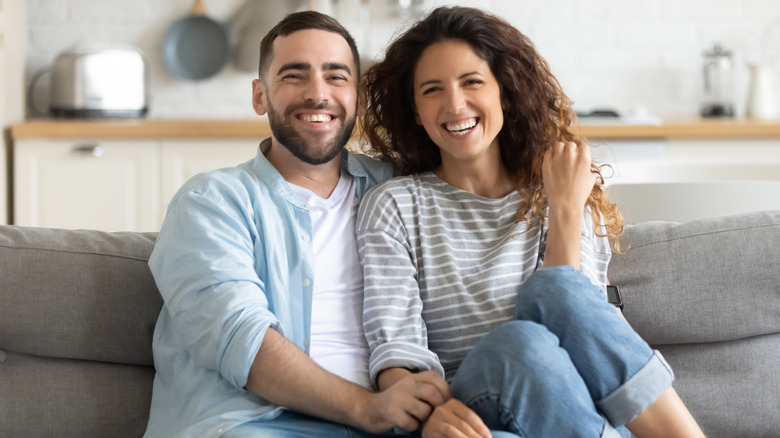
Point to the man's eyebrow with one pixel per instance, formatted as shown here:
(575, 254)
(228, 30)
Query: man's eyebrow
(438, 81)
(294, 66)
(336, 66)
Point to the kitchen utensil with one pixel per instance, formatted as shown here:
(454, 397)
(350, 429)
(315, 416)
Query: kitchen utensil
(718, 98)
(761, 97)
(196, 47)
(99, 81)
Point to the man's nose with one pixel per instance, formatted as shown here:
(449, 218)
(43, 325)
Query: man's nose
(316, 91)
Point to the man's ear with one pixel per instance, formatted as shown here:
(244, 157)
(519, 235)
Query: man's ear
(258, 97)
(362, 98)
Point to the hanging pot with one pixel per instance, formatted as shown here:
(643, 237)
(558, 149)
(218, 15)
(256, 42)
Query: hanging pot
(196, 47)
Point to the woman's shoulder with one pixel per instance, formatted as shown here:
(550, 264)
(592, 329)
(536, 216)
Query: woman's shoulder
(401, 187)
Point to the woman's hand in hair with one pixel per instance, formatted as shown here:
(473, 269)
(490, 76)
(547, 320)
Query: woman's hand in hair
(568, 181)
(567, 176)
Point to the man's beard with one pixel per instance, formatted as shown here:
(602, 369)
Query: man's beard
(296, 144)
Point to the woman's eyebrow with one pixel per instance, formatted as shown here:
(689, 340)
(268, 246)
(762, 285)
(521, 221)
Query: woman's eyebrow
(438, 81)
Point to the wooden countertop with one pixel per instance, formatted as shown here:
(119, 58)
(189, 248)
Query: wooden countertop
(258, 128)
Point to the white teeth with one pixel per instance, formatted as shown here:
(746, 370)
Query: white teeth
(316, 117)
(461, 128)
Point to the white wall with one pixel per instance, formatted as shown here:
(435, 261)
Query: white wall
(606, 53)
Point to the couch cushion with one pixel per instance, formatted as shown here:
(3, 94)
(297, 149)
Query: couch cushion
(77, 294)
(44, 397)
(708, 280)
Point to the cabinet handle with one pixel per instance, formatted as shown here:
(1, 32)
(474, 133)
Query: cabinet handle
(88, 149)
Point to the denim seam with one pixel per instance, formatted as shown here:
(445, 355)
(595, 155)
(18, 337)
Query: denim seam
(494, 399)
(640, 391)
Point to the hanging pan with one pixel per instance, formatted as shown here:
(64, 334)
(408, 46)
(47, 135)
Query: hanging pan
(196, 47)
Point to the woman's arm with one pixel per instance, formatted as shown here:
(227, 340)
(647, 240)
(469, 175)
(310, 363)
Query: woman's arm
(568, 181)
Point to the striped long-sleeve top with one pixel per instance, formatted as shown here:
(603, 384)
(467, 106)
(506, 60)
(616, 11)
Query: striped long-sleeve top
(442, 267)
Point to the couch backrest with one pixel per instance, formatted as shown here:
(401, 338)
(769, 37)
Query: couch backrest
(706, 293)
(77, 315)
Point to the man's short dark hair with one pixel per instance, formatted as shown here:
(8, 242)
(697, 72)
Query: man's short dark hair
(303, 21)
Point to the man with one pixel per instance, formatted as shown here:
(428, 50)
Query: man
(258, 268)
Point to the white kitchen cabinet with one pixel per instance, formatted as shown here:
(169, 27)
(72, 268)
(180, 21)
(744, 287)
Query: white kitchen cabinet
(728, 150)
(110, 185)
(183, 159)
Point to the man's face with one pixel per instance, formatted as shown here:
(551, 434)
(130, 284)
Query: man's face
(310, 94)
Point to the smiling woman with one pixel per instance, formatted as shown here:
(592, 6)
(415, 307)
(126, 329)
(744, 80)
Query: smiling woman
(498, 185)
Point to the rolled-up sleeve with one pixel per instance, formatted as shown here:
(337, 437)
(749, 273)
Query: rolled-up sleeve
(205, 266)
(392, 311)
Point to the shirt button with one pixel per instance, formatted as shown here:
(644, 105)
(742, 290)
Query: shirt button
(306, 282)
(308, 206)
(305, 237)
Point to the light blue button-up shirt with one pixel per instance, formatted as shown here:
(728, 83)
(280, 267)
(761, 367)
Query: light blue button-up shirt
(233, 258)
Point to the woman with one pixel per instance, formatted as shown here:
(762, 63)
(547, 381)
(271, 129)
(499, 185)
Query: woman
(497, 185)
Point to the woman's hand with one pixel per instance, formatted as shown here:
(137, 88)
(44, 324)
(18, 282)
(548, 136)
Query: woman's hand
(567, 175)
(453, 419)
(568, 181)
(405, 399)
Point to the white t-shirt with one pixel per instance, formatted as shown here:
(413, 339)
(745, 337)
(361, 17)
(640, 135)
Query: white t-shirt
(337, 340)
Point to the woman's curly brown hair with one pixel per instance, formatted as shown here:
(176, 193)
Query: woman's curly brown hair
(537, 114)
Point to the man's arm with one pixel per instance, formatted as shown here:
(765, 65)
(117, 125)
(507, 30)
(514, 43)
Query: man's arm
(283, 374)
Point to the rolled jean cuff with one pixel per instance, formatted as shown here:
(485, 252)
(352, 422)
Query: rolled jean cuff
(639, 392)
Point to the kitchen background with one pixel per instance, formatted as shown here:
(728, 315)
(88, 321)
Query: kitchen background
(643, 58)
(628, 55)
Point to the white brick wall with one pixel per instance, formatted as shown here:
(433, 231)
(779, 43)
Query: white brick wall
(606, 53)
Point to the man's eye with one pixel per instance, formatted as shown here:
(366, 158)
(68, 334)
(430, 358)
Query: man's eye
(292, 76)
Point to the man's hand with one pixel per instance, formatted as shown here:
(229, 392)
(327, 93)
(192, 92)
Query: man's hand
(453, 419)
(407, 402)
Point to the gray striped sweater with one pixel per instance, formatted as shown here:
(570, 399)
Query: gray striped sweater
(442, 267)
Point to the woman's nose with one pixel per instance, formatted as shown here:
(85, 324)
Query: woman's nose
(456, 101)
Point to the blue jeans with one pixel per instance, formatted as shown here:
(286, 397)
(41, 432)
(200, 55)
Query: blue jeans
(290, 424)
(568, 365)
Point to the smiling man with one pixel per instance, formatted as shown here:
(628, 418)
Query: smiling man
(261, 333)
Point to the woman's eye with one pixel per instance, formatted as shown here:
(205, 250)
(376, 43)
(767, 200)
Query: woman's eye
(430, 90)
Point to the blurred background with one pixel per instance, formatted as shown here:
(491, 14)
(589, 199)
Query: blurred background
(638, 55)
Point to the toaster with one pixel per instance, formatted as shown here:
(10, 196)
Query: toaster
(99, 81)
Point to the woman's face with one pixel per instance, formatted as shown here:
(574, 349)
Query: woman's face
(458, 101)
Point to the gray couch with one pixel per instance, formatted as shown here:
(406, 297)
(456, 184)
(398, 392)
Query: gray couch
(78, 308)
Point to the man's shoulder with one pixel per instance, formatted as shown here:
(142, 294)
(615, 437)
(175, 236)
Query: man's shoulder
(377, 171)
(225, 186)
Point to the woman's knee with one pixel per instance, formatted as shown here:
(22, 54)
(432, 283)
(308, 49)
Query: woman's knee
(553, 289)
(515, 346)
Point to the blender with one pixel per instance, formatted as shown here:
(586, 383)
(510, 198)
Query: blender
(718, 99)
